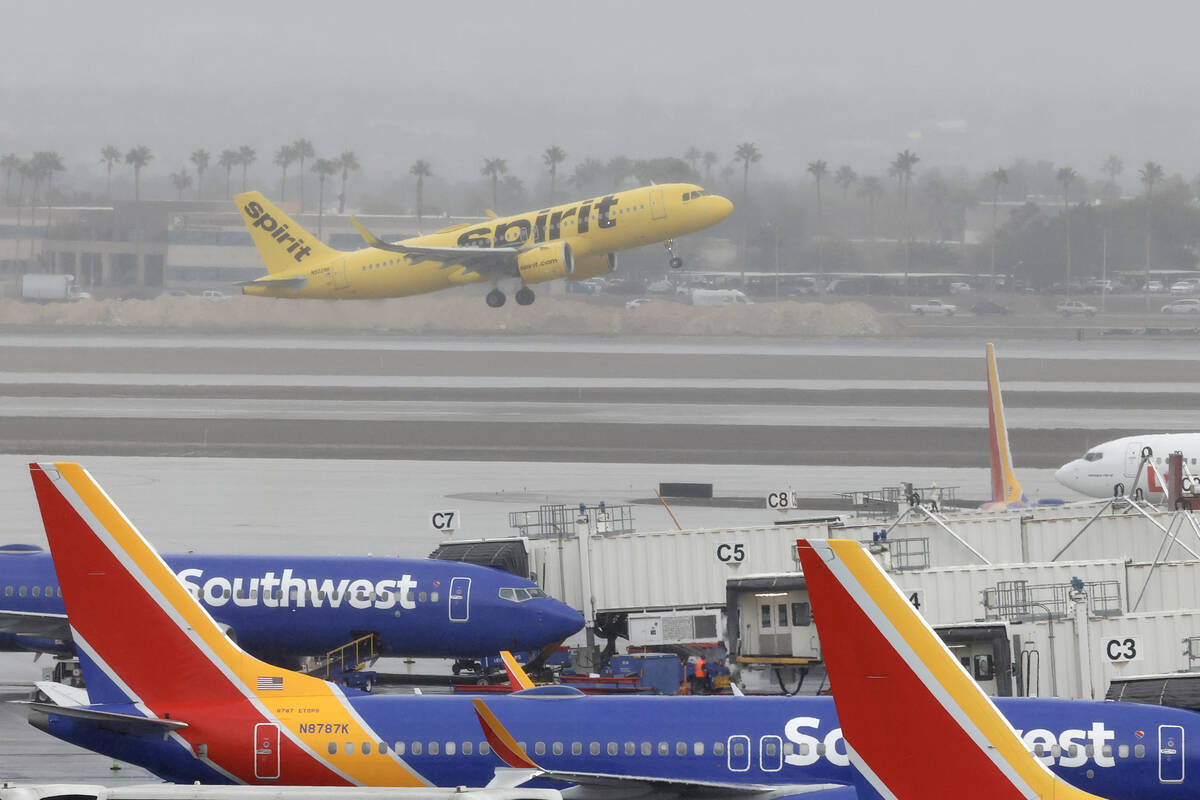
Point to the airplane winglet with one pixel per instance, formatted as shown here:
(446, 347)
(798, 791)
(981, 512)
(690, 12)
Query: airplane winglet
(503, 744)
(491, 214)
(897, 689)
(1006, 489)
(517, 676)
(371, 239)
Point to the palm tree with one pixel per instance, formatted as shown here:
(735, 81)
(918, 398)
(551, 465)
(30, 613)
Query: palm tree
(25, 171)
(902, 167)
(302, 149)
(819, 169)
(181, 180)
(247, 155)
(747, 153)
(1112, 167)
(999, 177)
(710, 160)
(553, 156)
(227, 161)
(45, 164)
(109, 155)
(10, 163)
(1066, 176)
(284, 157)
(493, 168)
(325, 168)
(1150, 174)
(422, 170)
(138, 157)
(871, 189)
(586, 173)
(845, 178)
(692, 156)
(200, 159)
(347, 162)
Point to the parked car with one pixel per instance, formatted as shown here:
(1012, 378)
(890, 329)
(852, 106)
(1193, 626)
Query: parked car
(1154, 286)
(958, 287)
(988, 307)
(214, 296)
(639, 302)
(1185, 287)
(1188, 306)
(1071, 308)
(1098, 286)
(933, 307)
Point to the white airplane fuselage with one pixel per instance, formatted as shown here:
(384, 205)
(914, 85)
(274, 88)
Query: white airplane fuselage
(1098, 472)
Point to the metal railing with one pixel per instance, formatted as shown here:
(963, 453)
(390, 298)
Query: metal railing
(1017, 600)
(558, 520)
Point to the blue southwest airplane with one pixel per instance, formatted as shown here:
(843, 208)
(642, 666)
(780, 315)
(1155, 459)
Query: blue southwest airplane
(281, 608)
(221, 716)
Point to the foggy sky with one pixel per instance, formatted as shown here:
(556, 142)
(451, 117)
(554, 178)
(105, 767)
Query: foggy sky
(962, 83)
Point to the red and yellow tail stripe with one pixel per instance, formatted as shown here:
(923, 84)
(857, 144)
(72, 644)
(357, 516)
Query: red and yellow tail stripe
(1006, 489)
(125, 604)
(507, 748)
(900, 693)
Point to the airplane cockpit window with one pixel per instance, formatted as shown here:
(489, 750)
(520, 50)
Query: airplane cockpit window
(521, 594)
(1095, 455)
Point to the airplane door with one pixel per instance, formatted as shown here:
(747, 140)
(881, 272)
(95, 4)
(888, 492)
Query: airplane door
(1133, 458)
(339, 274)
(460, 599)
(1170, 754)
(738, 753)
(658, 208)
(266, 751)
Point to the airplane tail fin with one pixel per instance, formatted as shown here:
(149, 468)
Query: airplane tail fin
(282, 243)
(899, 691)
(1006, 490)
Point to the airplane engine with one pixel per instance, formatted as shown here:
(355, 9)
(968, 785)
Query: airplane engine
(594, 266)
(546, 262)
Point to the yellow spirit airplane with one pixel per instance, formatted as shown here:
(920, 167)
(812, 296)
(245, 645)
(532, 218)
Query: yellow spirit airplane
(573, 241)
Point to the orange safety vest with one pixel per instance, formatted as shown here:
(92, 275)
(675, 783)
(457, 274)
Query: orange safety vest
(701, 671)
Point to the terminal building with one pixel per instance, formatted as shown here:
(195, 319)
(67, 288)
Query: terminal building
(1061, 601)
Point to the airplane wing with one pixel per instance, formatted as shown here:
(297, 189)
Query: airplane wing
(472, 259)
(50, 626)
(509, 750)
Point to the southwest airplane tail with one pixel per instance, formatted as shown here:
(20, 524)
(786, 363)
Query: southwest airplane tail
(105, 564)
(1006, 490)
(902, 696)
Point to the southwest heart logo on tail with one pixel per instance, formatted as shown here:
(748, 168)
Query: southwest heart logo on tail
(902, 695)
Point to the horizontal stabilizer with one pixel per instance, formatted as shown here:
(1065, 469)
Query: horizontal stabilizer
(122, 723)
(53, 626)
(297, 282)
(62, 695)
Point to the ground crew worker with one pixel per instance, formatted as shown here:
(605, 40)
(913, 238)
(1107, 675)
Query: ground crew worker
(702, 685)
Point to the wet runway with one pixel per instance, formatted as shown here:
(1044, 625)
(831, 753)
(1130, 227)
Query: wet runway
(869, 403)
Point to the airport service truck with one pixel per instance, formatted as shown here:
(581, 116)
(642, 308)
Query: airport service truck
(718, 297)
(50, 287)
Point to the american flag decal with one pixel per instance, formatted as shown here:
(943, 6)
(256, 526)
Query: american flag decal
(267, 683)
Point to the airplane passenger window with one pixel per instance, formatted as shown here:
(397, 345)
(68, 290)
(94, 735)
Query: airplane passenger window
(399, 747)
(1123, 751)
(770, 748)
(484, 748)
(421, 597)
(576, 748)
(450, 748)
(22, 591)
(382, 747)
(557, 749)
(681, 748)
(8, 591)
(367, 748)
(416, 748)
(433, 597)
(803, 748)
(1139, 751)
(820, 748)
(1055, 751)
(789, 748)
(698, 748)
(739, 748)
(349, 748)
(1039, 749)
(1089, 750)
(539, 749)
(468, 748)
(434, 748)
(58, 591)
(630, 749)
(333, 748)
(594, 748)
(645, 748)
(718, 748)
(663, 748)
(612, 748)
(37, 591)
(1107, 750)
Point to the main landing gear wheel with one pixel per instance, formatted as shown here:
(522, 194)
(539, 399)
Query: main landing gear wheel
(524, 296)
(676, 262)
(495, 298)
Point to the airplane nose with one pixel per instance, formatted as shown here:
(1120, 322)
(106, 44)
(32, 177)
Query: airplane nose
(561, 622)
(722, 207)
(1066, 475)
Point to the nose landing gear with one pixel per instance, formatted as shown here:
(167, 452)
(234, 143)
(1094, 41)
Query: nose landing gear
(676, 261)
(495, 298)
(524, 296)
